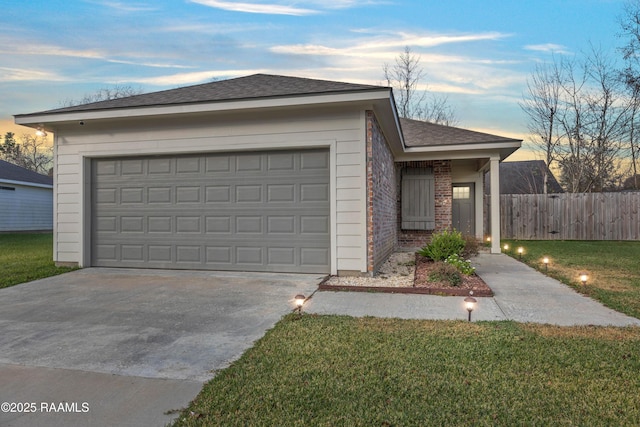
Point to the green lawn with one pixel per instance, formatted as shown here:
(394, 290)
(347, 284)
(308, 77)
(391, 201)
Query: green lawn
(26, 257)
(613, 267)
(341, 371)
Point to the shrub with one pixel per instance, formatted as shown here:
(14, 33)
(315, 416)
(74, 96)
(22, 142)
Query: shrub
(461, 264)
(444, 272)
(443, 245)
(471, 246)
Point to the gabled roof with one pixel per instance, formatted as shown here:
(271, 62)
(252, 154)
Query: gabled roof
(15, 173)
(525, 177)
(419, 133)
(256, 86)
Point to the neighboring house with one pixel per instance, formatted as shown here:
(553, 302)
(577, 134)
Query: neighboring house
(26, 199)
(525, 177)
(260, 173)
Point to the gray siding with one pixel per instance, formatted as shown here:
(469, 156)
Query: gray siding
(25, 208)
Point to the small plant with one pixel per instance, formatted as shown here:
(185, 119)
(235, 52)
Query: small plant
(445, 272)
(463, 265)
(443, 245)
(471, 246)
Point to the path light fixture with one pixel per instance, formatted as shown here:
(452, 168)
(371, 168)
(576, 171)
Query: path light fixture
(583, 278)
(506, 246)
(299, 300)
(470, 304)
(488, 239)
(545, 261)
(520, 251)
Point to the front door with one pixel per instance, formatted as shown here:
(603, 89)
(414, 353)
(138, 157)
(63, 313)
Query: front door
(464, 213)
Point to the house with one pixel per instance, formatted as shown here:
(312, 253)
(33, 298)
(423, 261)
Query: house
(526, 177)
(26, 199)
(260, 173)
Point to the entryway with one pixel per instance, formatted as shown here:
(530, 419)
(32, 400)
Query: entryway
(464, 213)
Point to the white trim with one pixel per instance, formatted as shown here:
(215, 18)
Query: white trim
(85, 192)
(494, 173)
(24, 183)
(333, 215)
(55, 198)
(205, 107)
(458, 152)
(365, 191)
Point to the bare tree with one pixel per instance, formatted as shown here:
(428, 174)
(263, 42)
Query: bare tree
(540, 104)
(36, 153)
(405, 77)
(104, 94)
(630, 30)
(580, 113)
(31, 152)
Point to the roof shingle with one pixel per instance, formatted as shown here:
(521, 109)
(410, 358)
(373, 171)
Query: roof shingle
(418, 133)
(241, 88)
(12, 172)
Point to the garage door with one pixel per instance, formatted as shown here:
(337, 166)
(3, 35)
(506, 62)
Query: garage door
(253, 211)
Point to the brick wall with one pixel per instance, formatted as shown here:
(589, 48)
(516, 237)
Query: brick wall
(381, 197)
(443, 202)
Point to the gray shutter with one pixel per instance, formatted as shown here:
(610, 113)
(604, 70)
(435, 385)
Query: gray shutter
(418, 199)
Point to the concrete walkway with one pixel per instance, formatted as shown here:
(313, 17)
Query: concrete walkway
(522, 294)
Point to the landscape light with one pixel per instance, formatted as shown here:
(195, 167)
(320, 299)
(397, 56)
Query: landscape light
(583, 278)
(545, 261)
(299, 300)
(506, 246)
(520, 251)
(470, 304)
(488, 239)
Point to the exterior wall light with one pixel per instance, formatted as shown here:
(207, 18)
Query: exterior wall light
(520, 251)
(470, 304)
(545, 261)
(41, 132)
(583, 278)
(299, 300)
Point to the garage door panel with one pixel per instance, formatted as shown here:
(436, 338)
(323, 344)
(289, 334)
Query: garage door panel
(240, 211)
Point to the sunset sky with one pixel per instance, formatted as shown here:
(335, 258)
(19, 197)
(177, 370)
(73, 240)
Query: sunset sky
(478, 53)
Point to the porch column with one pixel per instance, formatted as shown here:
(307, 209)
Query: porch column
(494, 171)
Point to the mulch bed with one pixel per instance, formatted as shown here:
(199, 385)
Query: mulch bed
(421, 284)
(425, 266)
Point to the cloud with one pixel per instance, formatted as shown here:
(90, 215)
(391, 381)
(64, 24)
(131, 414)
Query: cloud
(52, 50)
(395, 41)
(123, 7)
(269, 9)
(548, 47)
(148, 64)
(182, 79)
(19, 74)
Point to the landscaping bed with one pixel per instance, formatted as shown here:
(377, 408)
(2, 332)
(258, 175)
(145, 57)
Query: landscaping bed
(407, 273)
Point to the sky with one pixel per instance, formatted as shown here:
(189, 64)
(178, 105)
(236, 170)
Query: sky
(478, 54)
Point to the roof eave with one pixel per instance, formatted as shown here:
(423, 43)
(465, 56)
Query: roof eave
(46, 120)
(461, 151)
(25, 183)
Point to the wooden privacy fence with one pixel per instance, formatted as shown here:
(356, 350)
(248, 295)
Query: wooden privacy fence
(569, 216)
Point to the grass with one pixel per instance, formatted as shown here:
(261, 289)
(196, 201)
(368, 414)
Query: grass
(342, 371)
(26, 257)
(613, 268)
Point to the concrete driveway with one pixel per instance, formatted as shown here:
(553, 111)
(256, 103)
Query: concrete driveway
(123, 347)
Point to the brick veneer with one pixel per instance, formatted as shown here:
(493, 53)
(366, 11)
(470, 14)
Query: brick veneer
(381, 197)
(443, 203)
